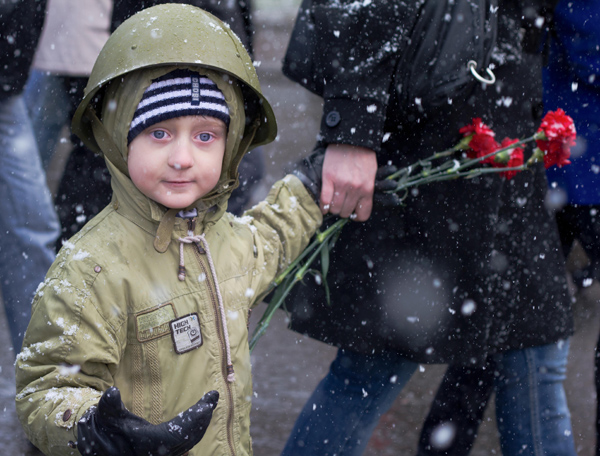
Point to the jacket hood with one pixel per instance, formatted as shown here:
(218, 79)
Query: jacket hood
(119, 103)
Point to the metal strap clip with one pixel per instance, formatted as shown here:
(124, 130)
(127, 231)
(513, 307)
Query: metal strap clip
(472, 65)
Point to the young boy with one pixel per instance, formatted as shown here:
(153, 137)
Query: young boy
(141, 324)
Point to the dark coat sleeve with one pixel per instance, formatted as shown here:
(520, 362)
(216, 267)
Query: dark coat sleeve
(21, 25)
(234, 13)
(353, 50)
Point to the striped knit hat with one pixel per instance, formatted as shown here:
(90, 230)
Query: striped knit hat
(177, 94)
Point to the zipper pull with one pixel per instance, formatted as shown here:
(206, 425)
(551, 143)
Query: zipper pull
(191, 225)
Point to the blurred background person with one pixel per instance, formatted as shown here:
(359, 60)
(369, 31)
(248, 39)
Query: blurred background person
(571, 81)
(73, 34)
(466, 270)
(28, 224)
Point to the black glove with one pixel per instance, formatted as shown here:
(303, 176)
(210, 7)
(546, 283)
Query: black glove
(383, 186)
(310, 172)
(111, 430)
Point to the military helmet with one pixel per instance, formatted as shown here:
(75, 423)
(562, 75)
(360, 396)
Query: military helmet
(173, 34)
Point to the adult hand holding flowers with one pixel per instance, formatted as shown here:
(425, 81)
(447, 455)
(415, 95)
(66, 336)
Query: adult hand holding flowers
(475, 154)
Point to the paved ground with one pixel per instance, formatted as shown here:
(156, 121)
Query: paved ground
(286, 366)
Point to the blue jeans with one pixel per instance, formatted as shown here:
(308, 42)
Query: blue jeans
(531, 408)
(344, 409)
(28, 223)
(50, 108)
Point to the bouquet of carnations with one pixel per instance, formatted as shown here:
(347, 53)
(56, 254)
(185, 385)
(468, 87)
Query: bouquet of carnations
(477, 153)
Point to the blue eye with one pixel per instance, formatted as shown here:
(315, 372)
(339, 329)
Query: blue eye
(158, 134)
(205, 137)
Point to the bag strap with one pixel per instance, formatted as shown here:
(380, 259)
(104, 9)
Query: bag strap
(439, 62)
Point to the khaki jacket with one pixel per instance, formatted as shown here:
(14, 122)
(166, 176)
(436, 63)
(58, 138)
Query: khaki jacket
(102, 316)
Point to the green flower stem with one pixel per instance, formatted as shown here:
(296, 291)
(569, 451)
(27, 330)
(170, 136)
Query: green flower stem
(408, 169)
(432, 175)
(466, 174)
(446, 153)
(443, 167)
(332, 229)
(474, 161)
(261, 328)
(302, 271)
(319, 239)
(451, 169)
(281, 277)
(299, 272)
(537, 156)
(478, 171)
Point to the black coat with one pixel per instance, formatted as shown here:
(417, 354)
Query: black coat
(236, 14)
(21, 25)
(467, 267)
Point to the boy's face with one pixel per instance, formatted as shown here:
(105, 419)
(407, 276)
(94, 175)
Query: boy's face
(178, 161)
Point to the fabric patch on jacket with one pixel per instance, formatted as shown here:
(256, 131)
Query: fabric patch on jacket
(154, 323)
(186, 333)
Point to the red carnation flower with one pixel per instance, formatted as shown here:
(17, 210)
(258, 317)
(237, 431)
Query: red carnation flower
(558, 137)
(481, 141)
(477, 127)
(510, 158)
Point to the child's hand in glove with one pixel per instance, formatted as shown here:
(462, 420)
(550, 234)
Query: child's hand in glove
(110, 429)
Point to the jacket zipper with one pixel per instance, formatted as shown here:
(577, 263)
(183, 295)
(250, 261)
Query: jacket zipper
(231, 409)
